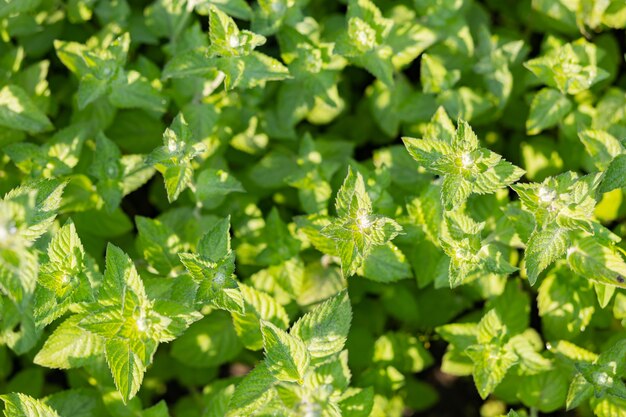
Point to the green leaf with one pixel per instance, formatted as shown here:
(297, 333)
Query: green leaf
(434, 76)
(546, 391)
(215, 282)
(386, 263)
(253, 392)
(615, 175)
(127, 366)
(566, 305)
(107, 169)
(597, 262)
(286, 356)
(175, 159)
(543, 248)
(454, 191)
(210, 342)
(121, 284)
(69, 346)
(402, 351)
(196, 62)
(132, 90)
(579, 391)
(601, 146)
(571, 68)
(21, 405)
(158, 244)
(214, 185)
(18, 111)
(40, 200)
(252, 70)
(215, 244)
(547, 109)
(258, 306)
(281, 245)
(357, 402)
(324, 330)
(66, 256)
(491, 364)
(356, 231)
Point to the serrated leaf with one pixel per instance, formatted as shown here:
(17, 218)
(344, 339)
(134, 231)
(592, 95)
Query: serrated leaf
(454, 191)
(69, 346)
(352, 197)
(127, 366)
(158, 244)
(258, 306)
(615, 175)
(547, 109)
(597, 262)
(543, 248)
(325, 329)
(601, 146)
(491, 364)
(286, 356)
(18, 111)
(215, 244)
(579, 391)
(174, 159)
(253, 392)
(21, 405)
(357, 231)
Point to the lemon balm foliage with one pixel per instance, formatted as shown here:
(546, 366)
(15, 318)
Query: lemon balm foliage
(318, 208)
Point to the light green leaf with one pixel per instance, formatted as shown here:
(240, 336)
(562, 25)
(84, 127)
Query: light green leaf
(546, 391)
(491, 364)
(175, 159)
(385, 263)
(18, 111)
(601, 146)
(352, 197)
(21, 405)
(566, 304)
(253, 392)
(324, 330)
(69, 346)
(121, 283)
(579, 391)
(434, 76)
(126, 362)
(454, 191)
(258, 306)
(402, 351)
(158, 244)
(543, 248)
(286, 356)
(215, 244)
(547, 109)
(597, 262)
(615, 175)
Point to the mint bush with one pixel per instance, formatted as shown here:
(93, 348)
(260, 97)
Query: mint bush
(312, 208)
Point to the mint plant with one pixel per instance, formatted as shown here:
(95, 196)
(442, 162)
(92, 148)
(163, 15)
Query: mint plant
(311, 208)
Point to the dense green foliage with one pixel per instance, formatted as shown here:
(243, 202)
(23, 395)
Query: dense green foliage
(312, 208)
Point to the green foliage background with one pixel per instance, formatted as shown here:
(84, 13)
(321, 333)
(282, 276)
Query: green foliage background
(312, 208)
